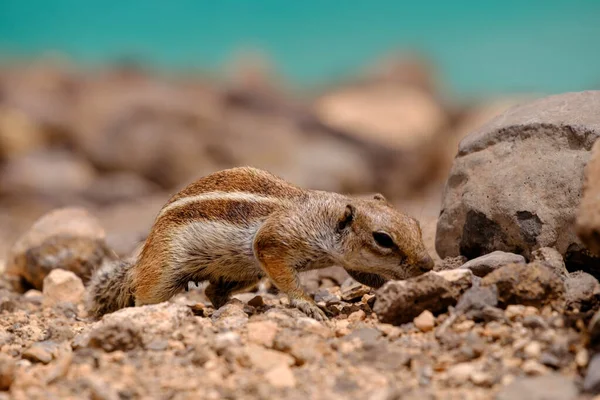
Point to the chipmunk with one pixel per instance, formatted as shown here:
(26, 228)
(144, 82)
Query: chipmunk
(239, 225)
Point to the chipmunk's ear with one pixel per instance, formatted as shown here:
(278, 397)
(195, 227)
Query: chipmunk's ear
(346, 218)
(379, 197)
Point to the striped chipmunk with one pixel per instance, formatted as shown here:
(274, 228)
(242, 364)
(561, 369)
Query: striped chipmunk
(239, 225)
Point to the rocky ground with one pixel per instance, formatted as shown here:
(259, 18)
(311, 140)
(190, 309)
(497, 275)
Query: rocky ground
(510, 311)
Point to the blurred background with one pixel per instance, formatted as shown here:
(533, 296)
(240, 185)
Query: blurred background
(115, 105)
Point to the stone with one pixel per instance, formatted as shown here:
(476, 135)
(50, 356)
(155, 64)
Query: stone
(281, 377)
(531, 285)
(479, 304)
(588, 216)
(230, 316)
(8, 369)
(546, 387)
(67, 238)
(62, 286)
(374, 113)
(459, 374)
(551, 258)
(481, 266)
(266, 359)
(352, 290)
(42, 352)
(119, 187)
(262, 332)
(461, 279)
(591, 382)
(425, 321)
(516, 182)
(582, 291)
(133, 327)
(399, 302)
(53, 173)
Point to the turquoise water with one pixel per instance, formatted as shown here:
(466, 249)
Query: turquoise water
(479, 47)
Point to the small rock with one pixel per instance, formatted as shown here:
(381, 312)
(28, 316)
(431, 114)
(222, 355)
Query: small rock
(230, 316)
(514, 311)
(262, 332)
(582, 358)
(533, 349)
(532, 285)
(582, 291)
(267, 359)
(62, 286)
(109, 337)
(368, 336)
(460, 373)
(550, 360)
(281, 377)
(8, 369)
(552, 259)
(534, 322)
(399, 302)
(356, 316)
(41, 352)
(591, 383)
(352, 290)
(532, 367)
(133, 327)
(463, 279)
(481, 266)
(67, 238)
(226, 340)
(547, 387)
(425, 321)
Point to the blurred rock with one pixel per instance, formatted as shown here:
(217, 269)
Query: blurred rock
(7, 371)
(582, 291)
(551, 258)
(481, 266)
(588, 217)
(134, 326)
(548, 387)
(67, 238)
(490, 204)
(262, 332)
(425, 321)
(18, 134)
(591, 383)
(53, 173)
(531, 284)
(395, 116)
(62, 286)
(119, 187)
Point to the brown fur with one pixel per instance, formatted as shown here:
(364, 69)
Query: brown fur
(236, 226)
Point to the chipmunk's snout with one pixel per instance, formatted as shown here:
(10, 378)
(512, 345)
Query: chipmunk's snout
(426, 263)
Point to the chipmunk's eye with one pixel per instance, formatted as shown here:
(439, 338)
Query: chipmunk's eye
(383, 240)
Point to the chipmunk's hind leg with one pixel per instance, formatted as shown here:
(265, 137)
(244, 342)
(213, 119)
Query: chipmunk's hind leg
(218, 291)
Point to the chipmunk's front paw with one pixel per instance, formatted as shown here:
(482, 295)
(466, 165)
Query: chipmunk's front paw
(309, 308)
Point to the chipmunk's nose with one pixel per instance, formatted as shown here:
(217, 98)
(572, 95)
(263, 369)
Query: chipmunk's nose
(426, 263)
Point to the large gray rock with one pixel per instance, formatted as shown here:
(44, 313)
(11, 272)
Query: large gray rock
(516, 182)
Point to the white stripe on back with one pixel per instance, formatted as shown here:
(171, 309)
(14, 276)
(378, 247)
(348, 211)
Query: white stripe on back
(239, 196)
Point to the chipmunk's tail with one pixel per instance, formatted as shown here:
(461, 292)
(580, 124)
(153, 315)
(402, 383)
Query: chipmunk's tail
(110, 288)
